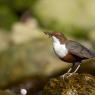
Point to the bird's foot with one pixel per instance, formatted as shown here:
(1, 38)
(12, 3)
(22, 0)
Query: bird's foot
(67, 75)
(71, 74)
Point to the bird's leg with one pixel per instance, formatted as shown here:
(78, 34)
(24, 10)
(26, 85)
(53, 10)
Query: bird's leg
(67, 73)
(75, 70)
(69, 70)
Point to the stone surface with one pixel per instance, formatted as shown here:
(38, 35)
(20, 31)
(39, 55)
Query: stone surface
(78, 84)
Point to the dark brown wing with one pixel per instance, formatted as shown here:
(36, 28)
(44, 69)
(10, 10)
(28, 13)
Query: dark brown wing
(79, 50)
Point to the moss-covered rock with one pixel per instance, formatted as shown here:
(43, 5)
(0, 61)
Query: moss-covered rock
(78, 84)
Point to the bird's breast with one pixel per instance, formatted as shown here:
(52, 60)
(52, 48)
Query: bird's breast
(60, 49)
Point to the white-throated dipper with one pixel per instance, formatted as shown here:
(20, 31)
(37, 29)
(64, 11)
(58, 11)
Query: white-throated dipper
(68, 50)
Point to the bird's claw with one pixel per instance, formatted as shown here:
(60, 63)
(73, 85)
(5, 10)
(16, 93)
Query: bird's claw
(67, 75)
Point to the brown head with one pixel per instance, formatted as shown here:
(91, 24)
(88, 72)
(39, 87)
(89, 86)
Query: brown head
(58, 35)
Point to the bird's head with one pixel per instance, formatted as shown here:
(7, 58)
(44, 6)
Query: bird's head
(58, 35)
(55, 34)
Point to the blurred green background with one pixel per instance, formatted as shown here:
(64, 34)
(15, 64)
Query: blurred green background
(26, 54)
(64, 15)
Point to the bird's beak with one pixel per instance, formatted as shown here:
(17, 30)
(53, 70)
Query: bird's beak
(48, 33)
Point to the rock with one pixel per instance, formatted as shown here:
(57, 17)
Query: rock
(77, 84)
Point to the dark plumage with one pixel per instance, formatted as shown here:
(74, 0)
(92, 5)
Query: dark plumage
(79, 50)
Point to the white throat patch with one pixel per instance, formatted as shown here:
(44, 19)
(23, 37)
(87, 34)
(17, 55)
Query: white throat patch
(60, 49)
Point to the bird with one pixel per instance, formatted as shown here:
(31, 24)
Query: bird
(69, 51)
